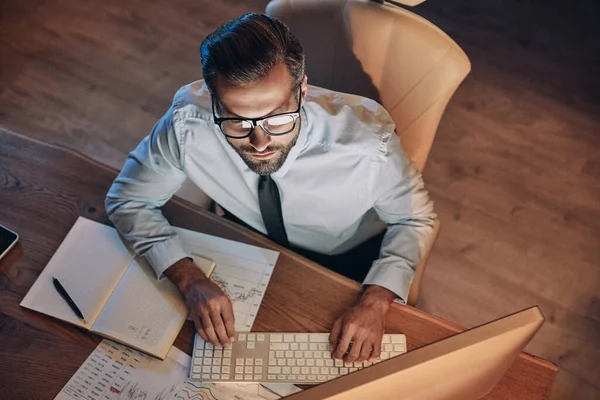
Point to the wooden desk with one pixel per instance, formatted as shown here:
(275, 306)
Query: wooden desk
(43, 189)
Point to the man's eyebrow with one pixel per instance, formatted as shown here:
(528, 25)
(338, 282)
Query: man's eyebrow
(274, 111)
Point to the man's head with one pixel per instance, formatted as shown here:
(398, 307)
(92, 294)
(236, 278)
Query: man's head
(254, 68)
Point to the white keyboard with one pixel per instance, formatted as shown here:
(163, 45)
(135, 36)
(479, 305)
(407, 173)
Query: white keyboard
(278, 357)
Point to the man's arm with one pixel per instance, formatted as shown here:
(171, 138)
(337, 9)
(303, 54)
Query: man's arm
(401, 201)
(151, 175)
(153, 172)
(398, 196)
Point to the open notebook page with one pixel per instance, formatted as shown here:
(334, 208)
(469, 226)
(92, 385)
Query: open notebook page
(143, 312)
(89, 263)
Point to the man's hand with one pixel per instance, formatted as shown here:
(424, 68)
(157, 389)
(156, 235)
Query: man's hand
(356, 335)
(209, 307)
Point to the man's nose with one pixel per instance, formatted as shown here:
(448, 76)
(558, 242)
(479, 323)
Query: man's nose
(260, 139)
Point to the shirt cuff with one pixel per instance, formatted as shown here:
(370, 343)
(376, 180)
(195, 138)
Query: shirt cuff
(392, 278)
(164, 254)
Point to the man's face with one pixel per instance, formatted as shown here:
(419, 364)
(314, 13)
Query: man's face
(264, 154)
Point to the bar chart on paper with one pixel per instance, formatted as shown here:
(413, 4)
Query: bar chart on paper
(242, 272)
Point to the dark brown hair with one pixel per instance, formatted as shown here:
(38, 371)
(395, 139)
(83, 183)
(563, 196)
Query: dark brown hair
(246, 48)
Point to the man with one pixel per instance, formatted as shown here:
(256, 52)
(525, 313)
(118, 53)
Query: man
(318, 171)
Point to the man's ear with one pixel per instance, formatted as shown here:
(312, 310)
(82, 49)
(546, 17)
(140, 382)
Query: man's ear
(304, 88)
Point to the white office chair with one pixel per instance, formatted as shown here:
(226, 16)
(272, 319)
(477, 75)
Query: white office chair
(386, 53)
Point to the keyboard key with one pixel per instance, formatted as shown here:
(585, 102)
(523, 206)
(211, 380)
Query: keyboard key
(275, 338)
(329, 363)
(208, 353)
(199, 343)
(291, 377)
(289, 354)
(271, 377)
(281, 377)
(310, 362)
(226, 361)
(249, 361)
(251, 337)
(394, 354)
(248, 370)
(358, 364)
(323, 346)
(197, 369)
(318, 337)
(272, 361)
(215, 376)
(384, 355)
(225, 370)
(291, 362)
(367, 364)
(279, 346)
(314, 370)
(301, 377)
(197, 361)
(320, 363)
(286, 370)
(207, 361)
(225, 376)
(294, 346)
(196, 376)
(308, 354)
(216, 361)
(260, 337)
(218, 353)
(399, 347)
(226, 353)
(398, 339)
(305, 370)
(216, 369)
(274, 370)
(281, 362)
(258, 361)
(249, 345)
(208, 346)
(239, 370)
(239, 377)
(388, 347)
(298, 354)
(338, 363)
(324, 371)
(288, 337)
(247, 377)
(296, 370)
(257, 377)
(330, 377)
(242, 337)
(206, 369)
(313, 346)
(312, 378)
(301, 362)
(239, 361)
(205, 376)
(279, 354)
(303, 346)
(353, 369)
(258, 370)
(317, 354)
(343, 371)
(386, 339)
(321, 378)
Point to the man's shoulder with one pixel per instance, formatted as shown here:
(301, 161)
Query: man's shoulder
(193, 101)
(348, 118)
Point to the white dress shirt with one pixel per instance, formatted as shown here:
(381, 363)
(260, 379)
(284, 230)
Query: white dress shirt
(346, 180)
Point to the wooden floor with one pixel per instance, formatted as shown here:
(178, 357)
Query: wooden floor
(514, 170)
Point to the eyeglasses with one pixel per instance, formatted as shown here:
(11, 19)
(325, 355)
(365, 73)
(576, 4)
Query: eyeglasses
(274, 125)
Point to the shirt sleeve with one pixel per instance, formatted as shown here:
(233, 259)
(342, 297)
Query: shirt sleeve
(152, 173)
(401, 201)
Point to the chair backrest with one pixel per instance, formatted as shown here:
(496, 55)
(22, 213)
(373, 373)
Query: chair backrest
(383, 52)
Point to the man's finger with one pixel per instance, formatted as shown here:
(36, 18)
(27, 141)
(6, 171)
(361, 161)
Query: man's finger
(334, 336)
(376, 350)
(366, 350)
(344, 342)
(198, 325)
(229, 320)
(219, 327)
(354, 352)
(208, 328)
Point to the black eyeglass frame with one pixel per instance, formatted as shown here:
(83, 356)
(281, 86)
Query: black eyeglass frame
(258, 121)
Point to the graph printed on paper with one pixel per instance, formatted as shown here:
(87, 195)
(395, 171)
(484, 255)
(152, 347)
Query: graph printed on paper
(116, 372)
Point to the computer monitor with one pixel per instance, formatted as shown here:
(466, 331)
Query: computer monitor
(462, 367)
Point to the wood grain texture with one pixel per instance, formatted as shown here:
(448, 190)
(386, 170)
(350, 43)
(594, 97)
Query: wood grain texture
(43, 191)
(514, 170)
